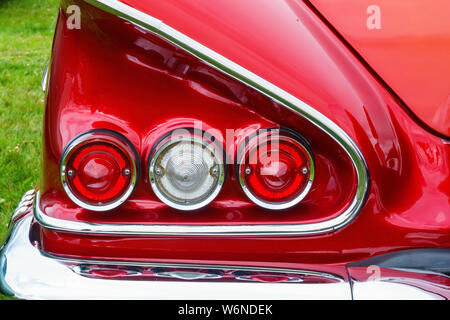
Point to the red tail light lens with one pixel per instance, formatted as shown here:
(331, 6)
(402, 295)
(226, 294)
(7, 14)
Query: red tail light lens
(98, 170)
(275, 169)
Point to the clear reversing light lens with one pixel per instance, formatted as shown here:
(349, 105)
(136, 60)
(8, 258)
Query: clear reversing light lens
(186, 171)
(275, 169)
(98, 170)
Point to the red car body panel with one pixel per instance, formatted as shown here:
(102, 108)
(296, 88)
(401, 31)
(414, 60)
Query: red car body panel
(410, 50)
(157, 111)
(99, 79)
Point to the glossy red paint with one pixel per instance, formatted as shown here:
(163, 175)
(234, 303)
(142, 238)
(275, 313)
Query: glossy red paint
(410, 50)
(111, 74)
(155, 70)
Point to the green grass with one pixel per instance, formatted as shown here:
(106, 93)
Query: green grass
(26, 32)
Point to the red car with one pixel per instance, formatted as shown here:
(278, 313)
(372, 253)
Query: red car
(241, 149)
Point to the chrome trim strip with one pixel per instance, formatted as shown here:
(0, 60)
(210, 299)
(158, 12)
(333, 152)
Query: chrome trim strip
(44, 81)
(28, 274)
(23, 208)
(193, 266)
(176, 230)
(252, 80)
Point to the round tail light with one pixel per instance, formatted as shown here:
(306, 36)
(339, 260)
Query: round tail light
(186, 171)
(275, 169)
(99, 170)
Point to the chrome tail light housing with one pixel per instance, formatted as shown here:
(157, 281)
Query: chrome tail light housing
(275, 168)
(186, 169)
(99, 169)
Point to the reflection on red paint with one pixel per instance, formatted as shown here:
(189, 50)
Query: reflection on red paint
(148, 88)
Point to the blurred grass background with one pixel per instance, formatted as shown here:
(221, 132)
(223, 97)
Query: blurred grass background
(26, 33)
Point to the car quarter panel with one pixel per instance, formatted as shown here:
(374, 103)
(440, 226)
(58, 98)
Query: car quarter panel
(288, 45)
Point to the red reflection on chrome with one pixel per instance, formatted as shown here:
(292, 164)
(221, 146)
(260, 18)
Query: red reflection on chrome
(108, 273)
(269, 278)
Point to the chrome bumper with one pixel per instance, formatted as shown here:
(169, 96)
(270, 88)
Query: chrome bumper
(28, 273)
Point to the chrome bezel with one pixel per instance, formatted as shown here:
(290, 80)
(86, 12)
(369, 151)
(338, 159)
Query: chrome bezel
(103, 135)
(249, 147)
(166, 143)
(86, 270)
